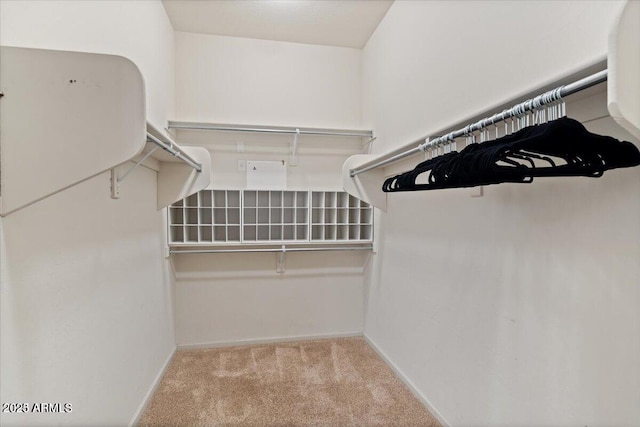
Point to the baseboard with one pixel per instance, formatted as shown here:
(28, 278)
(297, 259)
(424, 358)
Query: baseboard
(152, 390)
(268, 340)
(407, 382)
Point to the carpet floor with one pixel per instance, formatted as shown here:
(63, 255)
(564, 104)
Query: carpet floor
(337, 382)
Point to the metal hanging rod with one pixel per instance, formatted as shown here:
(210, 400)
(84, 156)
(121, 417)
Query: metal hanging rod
(294, 249)
(169, 147)
(518, 110)
(276, 130)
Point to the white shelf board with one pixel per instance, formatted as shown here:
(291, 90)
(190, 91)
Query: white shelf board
(193, 218)
(366, 186)
(176, 179)
(65, 117)
(624, 69)
(244, 128)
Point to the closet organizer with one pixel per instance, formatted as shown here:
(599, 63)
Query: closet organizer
(66, 117)
(532, 138)
(280, 208)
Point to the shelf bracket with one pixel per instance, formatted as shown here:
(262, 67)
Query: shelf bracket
(115, 185)
(136, 164)
(368, 144)
(293, 159)
(280, 261)
(116, 181)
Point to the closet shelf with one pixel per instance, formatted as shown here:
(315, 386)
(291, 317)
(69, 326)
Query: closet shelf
(170, 151)
(274, 139)
(220, 127)
(71, 116)
(623, 90)
(262, 137)
(182, 171)
(270, 217)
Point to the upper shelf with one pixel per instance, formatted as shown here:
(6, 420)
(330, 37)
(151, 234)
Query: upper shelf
(271, 129)
(66, 117)
(624, 69)
(182, 170)
(261, 136)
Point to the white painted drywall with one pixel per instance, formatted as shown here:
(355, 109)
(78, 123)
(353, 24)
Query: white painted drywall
(225, 298)
(86, 303)
(320, 158)
(240, 297)
(433, 63)
(86, 295)
(519, 307)
(235, 80)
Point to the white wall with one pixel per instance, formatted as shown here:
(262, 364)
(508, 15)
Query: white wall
(236, 80)
(86, 303)
(240, 297)
(225, 298)
(433, 63)
(87, 299)
(520, 307)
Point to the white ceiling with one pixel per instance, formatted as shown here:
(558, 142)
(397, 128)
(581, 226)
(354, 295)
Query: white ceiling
(345, 23)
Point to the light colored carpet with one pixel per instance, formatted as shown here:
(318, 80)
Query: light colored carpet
(338, 382)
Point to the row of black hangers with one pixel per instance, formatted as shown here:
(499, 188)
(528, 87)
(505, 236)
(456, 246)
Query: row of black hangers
(562, 147)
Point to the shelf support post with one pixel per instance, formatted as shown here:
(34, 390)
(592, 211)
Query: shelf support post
(280, 261)
(115, 181)
(293, 159)
(115, 185)
(146, 156)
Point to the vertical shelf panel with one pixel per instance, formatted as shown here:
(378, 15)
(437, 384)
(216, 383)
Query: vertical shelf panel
(205, 217)
(219, 208)
(302, 216)
(250, 216)
(176, 222)
(191, 219)
(317, 216)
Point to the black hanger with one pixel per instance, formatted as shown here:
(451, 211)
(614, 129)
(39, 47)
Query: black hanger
(512, 158)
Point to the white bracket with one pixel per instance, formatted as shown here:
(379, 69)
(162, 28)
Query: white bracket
(115, 185)
(116, 181)
(477, 191)
(280, 261)
(368, 145)
(293, 160)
